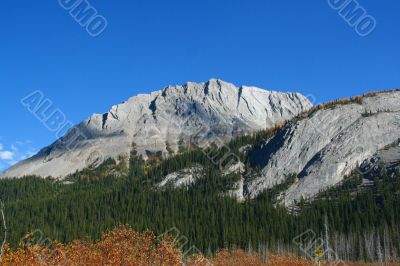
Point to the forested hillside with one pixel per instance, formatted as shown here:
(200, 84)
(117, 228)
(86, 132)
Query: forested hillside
(355, 221)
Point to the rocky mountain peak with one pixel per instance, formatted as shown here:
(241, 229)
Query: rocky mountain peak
(170, 117)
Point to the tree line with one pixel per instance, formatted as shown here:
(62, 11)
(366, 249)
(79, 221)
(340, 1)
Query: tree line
(362, 221)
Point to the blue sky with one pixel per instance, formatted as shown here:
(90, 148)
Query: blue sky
(281, 45)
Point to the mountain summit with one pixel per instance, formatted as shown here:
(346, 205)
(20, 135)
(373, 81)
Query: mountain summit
(163, 121)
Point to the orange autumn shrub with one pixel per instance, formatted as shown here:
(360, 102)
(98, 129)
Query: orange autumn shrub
(287, 260)
(373, 264)
(123, 246)
(238, 257)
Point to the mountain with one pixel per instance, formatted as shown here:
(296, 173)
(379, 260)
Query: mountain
(314, 156)
(327, 143)
(164, 121)
(319, 145)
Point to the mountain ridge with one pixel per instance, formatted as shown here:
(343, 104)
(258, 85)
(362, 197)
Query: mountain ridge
(328, 143)
(171, 117)
(319, 145)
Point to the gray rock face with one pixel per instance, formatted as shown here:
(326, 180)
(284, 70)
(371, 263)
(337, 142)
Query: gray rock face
(194, 113)
(183, 178)
(387, 160)
(327, 145)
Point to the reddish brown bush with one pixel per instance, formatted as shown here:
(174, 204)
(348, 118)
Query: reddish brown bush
(123, 246)
(238, 257)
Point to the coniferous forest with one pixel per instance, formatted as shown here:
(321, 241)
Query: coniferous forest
(353, 221)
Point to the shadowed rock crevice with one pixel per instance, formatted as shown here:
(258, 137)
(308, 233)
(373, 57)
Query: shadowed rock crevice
(104, 120)
(260, 155)
(153, 107)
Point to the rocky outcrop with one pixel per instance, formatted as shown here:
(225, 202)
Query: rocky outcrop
(191, 114)
(183, 178)
(327, 144)
(386, 160)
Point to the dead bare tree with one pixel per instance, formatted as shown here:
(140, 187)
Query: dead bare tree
(379, 248)
(327, 249)
(361, 247)
(369, 245)
(386, 243)
(5, 228)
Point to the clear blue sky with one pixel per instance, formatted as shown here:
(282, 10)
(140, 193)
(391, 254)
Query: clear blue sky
(282, 45)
